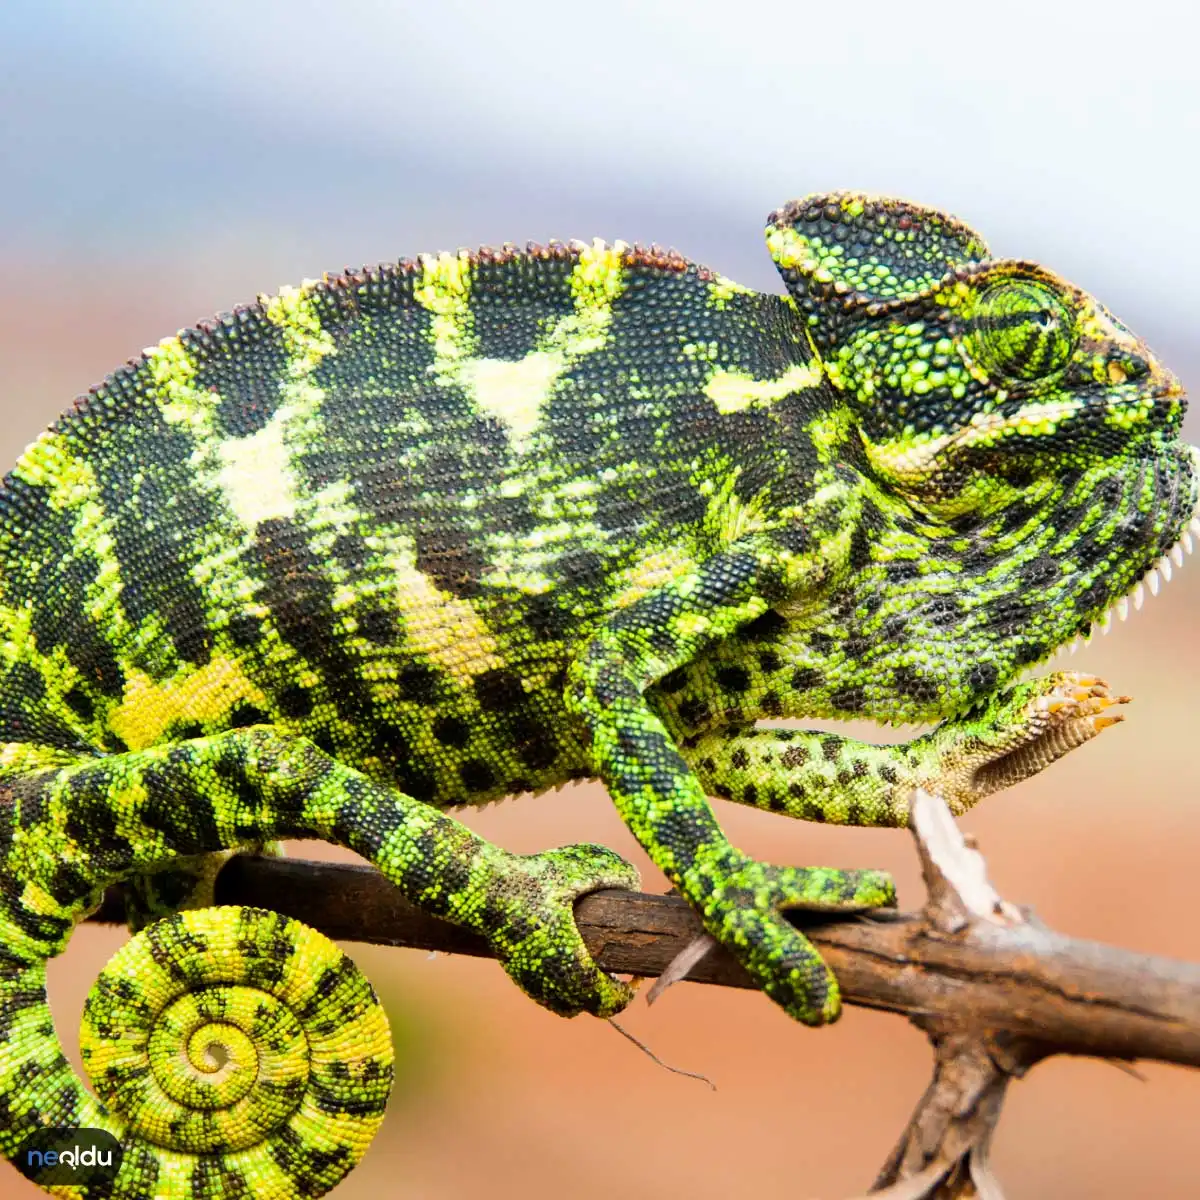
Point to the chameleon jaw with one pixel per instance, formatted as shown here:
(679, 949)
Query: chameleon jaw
(1161, 572)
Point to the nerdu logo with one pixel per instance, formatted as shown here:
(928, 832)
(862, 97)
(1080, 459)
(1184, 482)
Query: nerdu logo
(57, 1157)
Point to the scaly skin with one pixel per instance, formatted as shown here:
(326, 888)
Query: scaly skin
(430, 534)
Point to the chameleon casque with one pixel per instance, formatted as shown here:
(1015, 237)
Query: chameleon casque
(471, 525)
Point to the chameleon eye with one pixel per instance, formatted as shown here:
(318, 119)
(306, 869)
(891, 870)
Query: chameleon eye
(1023, 330)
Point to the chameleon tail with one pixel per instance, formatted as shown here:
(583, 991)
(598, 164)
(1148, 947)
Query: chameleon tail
(210, 1039)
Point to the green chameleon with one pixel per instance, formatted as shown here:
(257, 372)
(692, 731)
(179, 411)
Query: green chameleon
(425, 535)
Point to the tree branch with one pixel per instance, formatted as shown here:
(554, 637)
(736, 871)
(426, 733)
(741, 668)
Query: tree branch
(1078, 997)
(994, 990)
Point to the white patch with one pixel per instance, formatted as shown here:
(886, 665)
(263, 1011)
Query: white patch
(732, 391)
(513, 392)
(256, 474)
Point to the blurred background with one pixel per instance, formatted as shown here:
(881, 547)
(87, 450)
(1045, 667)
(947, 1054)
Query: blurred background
(161, 162)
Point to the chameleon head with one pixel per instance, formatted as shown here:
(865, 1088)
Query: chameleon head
(985, 388)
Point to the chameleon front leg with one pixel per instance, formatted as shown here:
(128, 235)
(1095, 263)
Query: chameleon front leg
(740, 900)
(826, 777)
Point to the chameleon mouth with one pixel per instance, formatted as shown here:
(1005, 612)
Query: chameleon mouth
(1160, 573)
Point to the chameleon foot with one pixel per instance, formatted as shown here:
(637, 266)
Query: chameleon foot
(745, 912)
(1014, 736)
(529, 919)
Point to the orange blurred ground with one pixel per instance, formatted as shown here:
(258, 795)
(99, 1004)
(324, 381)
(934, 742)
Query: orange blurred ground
(496, 1098)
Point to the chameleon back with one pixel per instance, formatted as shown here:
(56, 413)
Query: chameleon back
(381, 509)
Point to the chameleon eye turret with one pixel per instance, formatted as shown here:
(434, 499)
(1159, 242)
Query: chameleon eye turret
(470, 525)
(1023, 330)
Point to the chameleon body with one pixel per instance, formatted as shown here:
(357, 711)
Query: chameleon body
(428, 534)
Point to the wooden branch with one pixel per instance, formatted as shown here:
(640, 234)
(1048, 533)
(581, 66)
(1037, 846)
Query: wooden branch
(994, 990)
(1075, 996)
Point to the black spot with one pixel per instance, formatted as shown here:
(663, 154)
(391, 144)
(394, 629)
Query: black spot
(245, 370)
(750, 794)
(243, 715)
(740, 759)
(849, 699)
(69, 884)
(902, 571)
(1041, 571)
(379, 625)
(295, 701)
(1016, 515)
(793, 757)
(349, 550)
(498, 690)
(418, 683)
(908, 681)
(1030, 652)
(80, 703)
(1008, 615)
(769, 661)
(451, 731)
(860, 548)
(580, 568)
(831, 746)
(856, 647)
(477, 776)
(544, 616)
(673, 681)
(451, 558)
(794, 538)
(943, 611)
(539, 750)
(805, 679)
(765, 627)
(771, 705)
(733, 678)
(982, 677)
(245, 630)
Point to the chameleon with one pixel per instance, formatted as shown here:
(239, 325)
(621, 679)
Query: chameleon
(471, 525)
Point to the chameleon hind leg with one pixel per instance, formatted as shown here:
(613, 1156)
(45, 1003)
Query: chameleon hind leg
(826, 777)
(69, 831)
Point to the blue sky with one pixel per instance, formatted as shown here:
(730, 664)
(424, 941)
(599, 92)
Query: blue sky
(310, 135)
